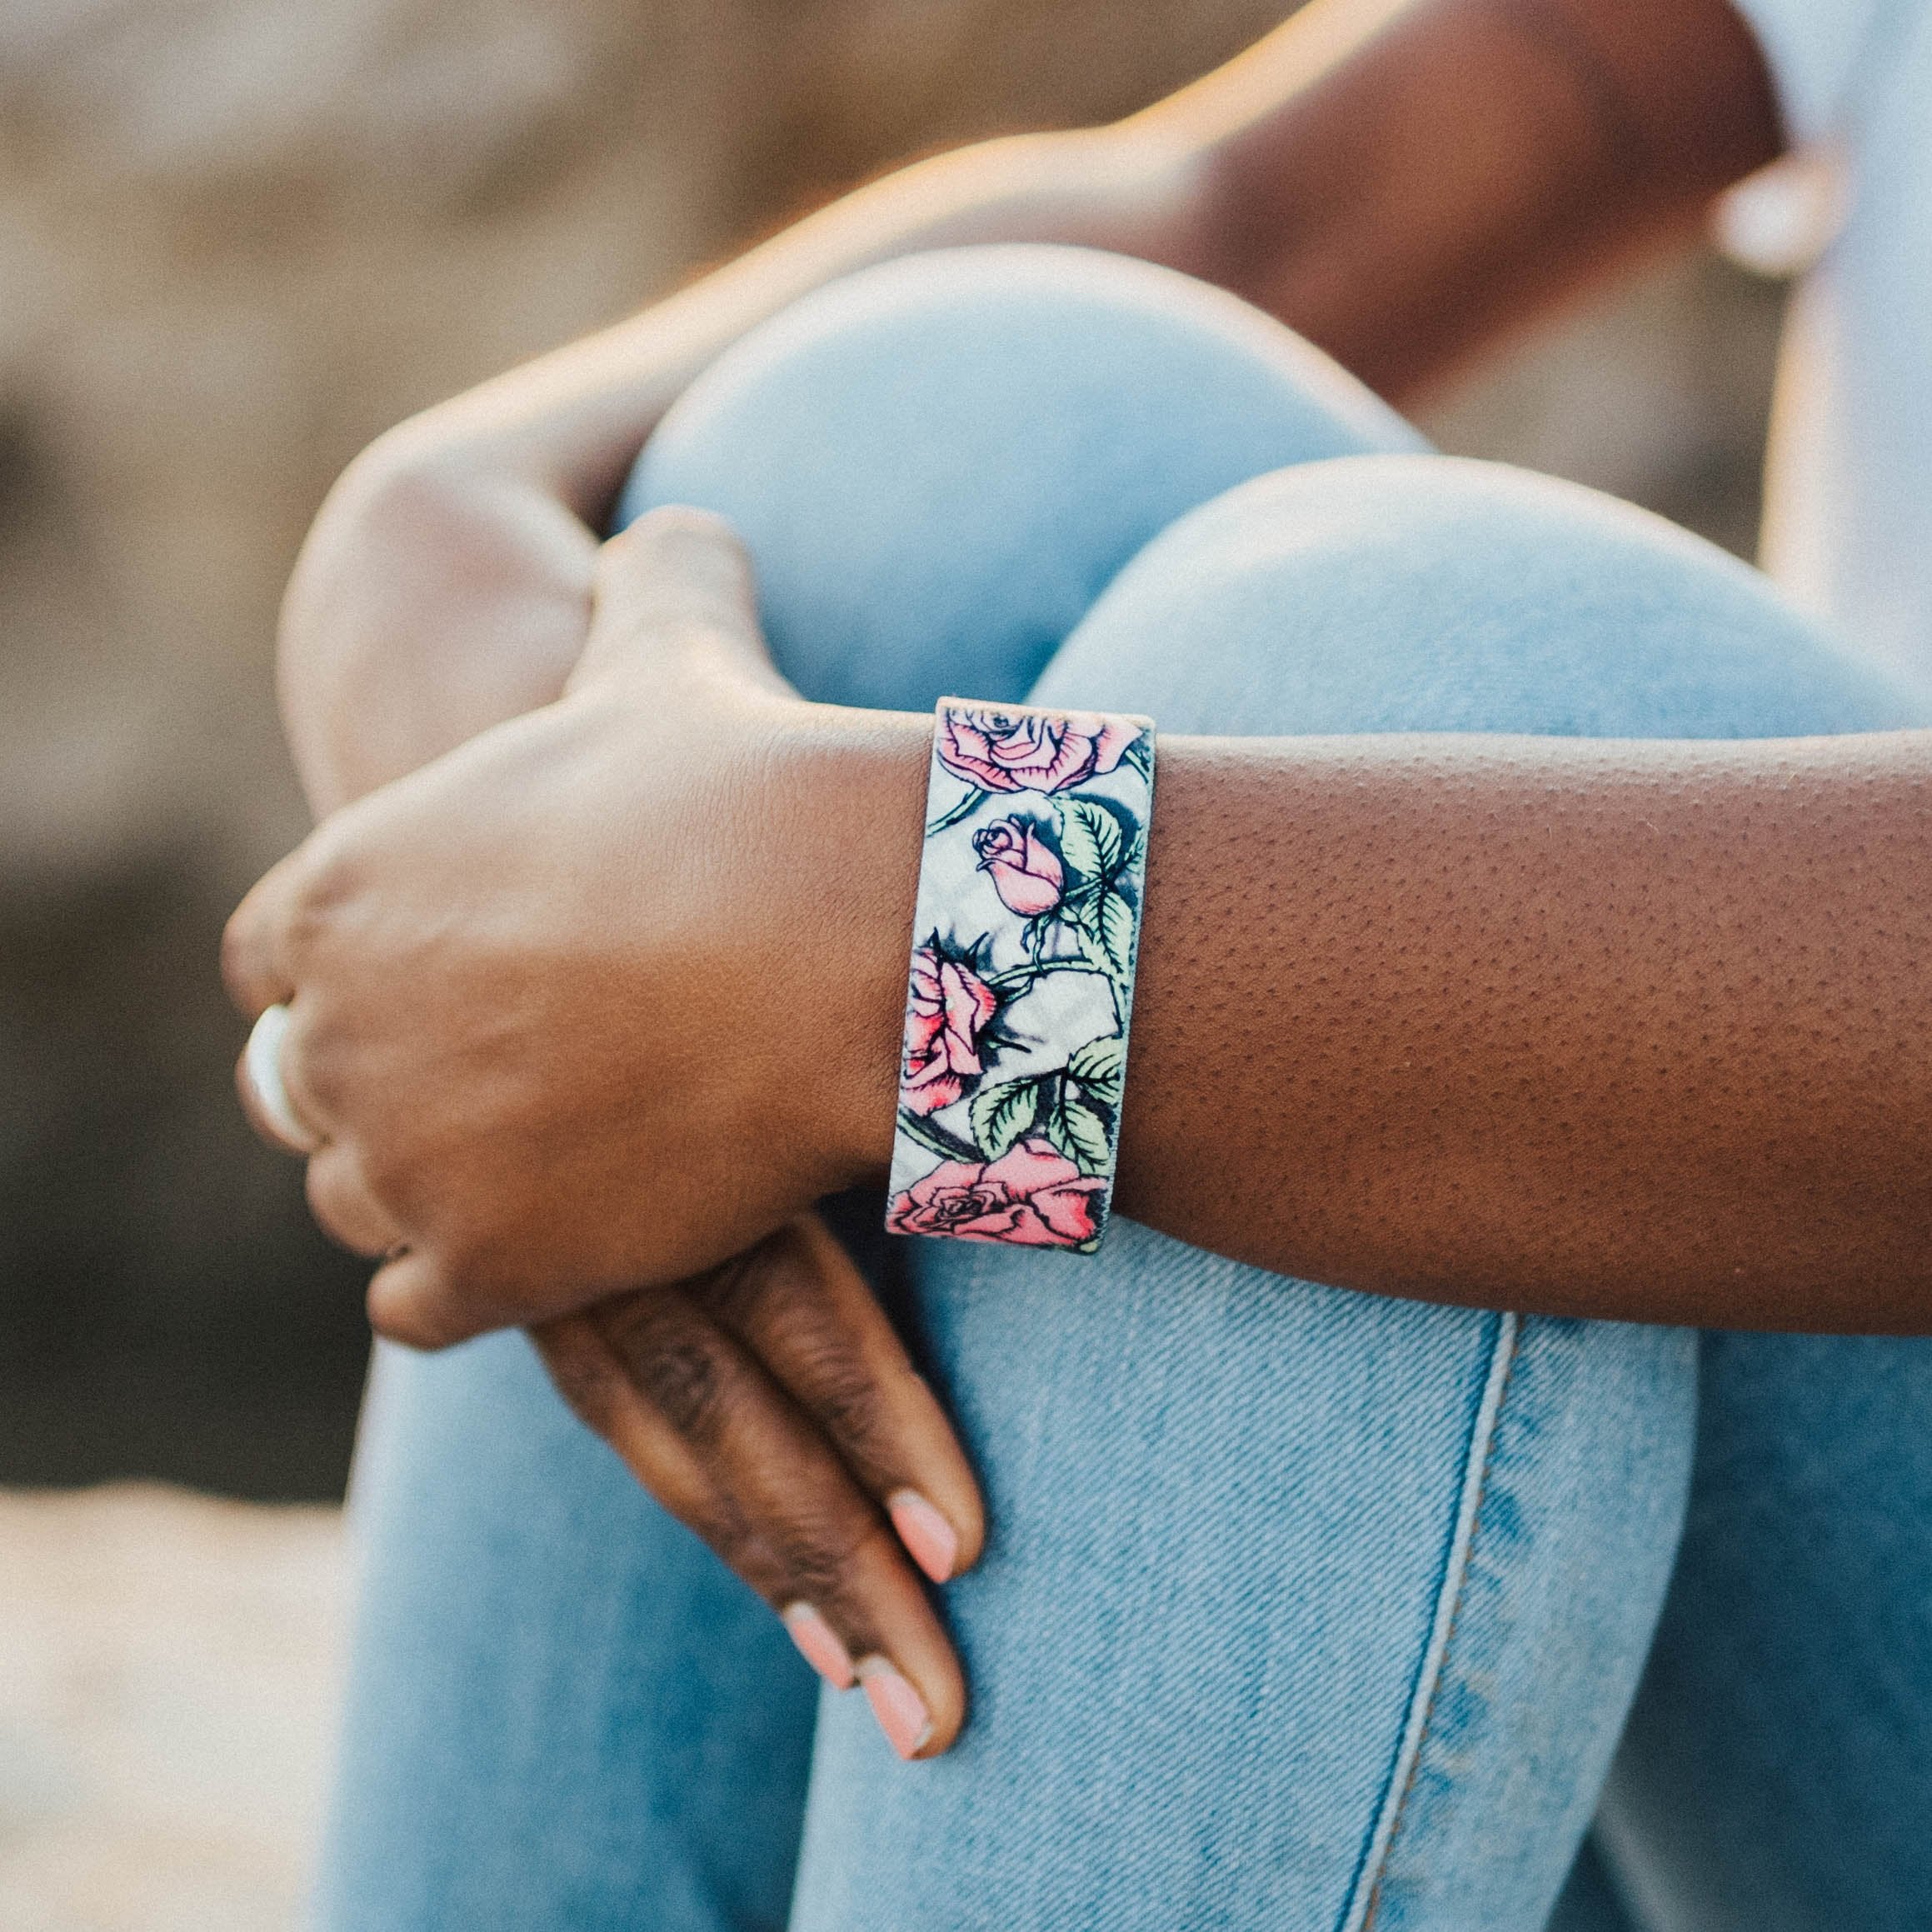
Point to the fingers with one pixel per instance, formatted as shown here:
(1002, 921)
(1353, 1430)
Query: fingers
(805, 1311)
(411, 1300)
(675, 575)
(725, 1451)
(340, 1199)
(255, 965)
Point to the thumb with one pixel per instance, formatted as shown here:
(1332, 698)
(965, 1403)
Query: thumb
(675, 579)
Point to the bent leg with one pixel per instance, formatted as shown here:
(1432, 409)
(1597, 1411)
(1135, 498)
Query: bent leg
(1774, 1776)
(1300, 1605)
(562, 1709)
(1304, 1608)
(938, 465)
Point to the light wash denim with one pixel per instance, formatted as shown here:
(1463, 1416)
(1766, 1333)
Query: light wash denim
(1303, 1610)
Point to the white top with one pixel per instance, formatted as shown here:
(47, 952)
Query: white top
(1848, 527)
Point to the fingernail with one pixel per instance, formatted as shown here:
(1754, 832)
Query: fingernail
(818, 1645)
(926, 1535)
(898, 1708)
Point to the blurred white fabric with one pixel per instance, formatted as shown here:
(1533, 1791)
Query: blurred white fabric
(1847, 486)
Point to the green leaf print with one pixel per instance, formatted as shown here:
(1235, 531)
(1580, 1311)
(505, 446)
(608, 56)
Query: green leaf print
(1116, 924)
(1002, 1114)
(1079, 1132)
(1090, 837)
(1100, 1066)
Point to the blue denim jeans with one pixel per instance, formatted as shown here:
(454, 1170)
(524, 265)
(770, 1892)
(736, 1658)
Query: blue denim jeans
(1303, 1610)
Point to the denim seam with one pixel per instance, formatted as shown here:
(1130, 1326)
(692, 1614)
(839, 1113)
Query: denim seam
(1365, 1895)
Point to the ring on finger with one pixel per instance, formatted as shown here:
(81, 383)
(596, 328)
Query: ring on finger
(262, 1065)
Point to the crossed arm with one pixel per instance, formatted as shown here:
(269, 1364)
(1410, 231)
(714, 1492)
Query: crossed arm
(1629, 1030)
(1704, 1094)
(1405, 182)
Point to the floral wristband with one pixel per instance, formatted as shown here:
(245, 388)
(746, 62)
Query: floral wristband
(1029, 915)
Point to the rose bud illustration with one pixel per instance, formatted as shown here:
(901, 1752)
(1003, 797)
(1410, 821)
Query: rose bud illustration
(1025, 871)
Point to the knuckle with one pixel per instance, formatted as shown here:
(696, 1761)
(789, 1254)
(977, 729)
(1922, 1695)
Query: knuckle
(844, 1395)
(721, 1523)
(243, 947)
(410, 1331)
(742, 1549)
(314, 1069)
(636, 1324)
(735, 1290)
(847, 1398)
(387, 1171)
(428, 1299)
(683, 1378)
(820, 1550)
(323, 1185)
(409, 1323)
(331, 873)
(399, 489)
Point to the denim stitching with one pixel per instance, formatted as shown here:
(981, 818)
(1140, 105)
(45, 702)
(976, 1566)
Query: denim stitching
(1365, 1895)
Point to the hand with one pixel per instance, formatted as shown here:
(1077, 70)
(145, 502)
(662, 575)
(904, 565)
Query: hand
(769, 1405)
(766, 1402)
(611, 992)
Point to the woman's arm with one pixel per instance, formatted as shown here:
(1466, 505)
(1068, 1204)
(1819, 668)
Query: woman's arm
(1633, 1030)
(1636, 1030)
(447, 585)
(1406, 183)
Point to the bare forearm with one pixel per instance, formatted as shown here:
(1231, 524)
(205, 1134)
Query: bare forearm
(1401, 181)
(1631, 1031)
(1635, 1030)
(1404, 180)
(1409, 185)
(574, 420)
(446, 584)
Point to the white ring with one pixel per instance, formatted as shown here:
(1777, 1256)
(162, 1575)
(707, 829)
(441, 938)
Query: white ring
(263, 1063)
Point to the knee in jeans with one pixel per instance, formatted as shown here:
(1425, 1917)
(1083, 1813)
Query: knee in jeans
(939, 463)
(1427, 593)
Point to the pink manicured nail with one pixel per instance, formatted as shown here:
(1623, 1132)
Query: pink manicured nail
(926, 1535)
(898, 1708)
(817, 1645)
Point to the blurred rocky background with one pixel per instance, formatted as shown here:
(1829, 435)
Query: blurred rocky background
(237, 238)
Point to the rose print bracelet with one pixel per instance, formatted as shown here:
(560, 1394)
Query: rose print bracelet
(1028, 918)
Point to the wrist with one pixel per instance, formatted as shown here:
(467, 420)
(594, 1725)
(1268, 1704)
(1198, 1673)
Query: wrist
(861, 785)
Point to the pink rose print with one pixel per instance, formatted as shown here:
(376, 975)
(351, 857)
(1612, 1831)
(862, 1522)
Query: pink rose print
(1032, 1196)
(1069, 898)
(1019, 752)
(947, 1007)
(1025, 872)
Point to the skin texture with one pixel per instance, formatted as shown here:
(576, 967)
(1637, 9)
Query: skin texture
(1408, 185)
(1635, 1031)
